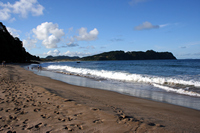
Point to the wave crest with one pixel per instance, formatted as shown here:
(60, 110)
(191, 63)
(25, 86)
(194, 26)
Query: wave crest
(123, 76)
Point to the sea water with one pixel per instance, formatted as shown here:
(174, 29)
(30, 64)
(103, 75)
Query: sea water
(171, 81)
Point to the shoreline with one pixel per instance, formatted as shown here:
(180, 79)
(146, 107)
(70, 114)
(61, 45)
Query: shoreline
(109, 111)
(143, 91)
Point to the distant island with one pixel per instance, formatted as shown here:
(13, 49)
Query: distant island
(117, 55)
(134, 55)
(60, 58)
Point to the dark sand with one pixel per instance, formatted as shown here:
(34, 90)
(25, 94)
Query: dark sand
(32, 103)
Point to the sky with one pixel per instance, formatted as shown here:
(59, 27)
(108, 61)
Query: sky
(87, 27)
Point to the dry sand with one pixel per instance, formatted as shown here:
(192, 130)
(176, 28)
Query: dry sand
(32, 103)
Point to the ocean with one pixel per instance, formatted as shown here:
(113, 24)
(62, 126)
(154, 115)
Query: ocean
(170, 81)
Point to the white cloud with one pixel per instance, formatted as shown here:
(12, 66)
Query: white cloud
(4, 13)
(21, 7)
(67, 53)
(13, 31)
(80, 54)
(85, 36)
(29, 43)
(71, 43)
(146, 26)
(49, 33)
(53, 53)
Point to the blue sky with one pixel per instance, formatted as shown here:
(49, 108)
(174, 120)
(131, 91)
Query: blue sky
(88, 27)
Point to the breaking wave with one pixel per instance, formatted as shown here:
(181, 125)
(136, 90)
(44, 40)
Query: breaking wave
(124, 76)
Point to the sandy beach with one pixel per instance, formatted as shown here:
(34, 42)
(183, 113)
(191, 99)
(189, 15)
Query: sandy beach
(32, 103)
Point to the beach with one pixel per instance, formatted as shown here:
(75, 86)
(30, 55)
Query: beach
(32, 103)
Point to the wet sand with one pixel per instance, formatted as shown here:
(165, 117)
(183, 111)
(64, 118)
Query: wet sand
(32, 103)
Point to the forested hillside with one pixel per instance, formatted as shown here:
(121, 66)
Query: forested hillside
(11, 48)
(135, 55)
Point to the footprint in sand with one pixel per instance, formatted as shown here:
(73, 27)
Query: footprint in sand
(38, 125)
(69, 128)
(151, 124)
(25, 106)
(95, 109)
(68, 100)
(70, 118)
(1, 109)
(72, 127)
(60, 119)
(17, 109)
(12, 117)
(48, 103)
(25, 121)
(56, 112)
(45, 116)
(7, 110)
(98, 121)
(24, 127)
(29, 128)
(11, 131)
(124, 118)
(36, 110)
(159, 125)
(78, 114)
(34, 104)
(23, 112)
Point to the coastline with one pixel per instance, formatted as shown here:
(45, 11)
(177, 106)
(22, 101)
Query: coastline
(85, 109)
(150, 90)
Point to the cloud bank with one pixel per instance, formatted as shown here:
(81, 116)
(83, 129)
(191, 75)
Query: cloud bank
(67, 53)
(87, 36)
(22, 8)
(80, 54)
(83, 36)
(146, 26)
(53, 53)
(49, 33)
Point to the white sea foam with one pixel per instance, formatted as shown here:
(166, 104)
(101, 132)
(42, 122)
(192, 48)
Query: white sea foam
(123, 76)
(180, 91)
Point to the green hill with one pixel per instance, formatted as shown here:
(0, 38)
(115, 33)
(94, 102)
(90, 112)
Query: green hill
(11, 48)
(135, 55)
(58, 58)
